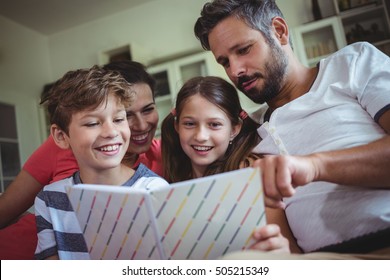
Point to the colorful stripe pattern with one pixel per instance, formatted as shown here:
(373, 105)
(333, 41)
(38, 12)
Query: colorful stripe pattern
(198, 219)
(209, 219)
(114, 225)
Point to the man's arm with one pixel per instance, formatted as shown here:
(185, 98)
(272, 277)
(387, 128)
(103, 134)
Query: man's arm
(366, 166)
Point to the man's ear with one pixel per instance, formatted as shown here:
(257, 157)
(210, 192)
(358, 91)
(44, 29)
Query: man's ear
(59, 136)
(280, 30)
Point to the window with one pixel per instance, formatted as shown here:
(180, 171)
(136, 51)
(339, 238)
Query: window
(9, 146)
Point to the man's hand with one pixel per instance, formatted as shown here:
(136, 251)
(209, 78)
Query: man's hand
(281, 174)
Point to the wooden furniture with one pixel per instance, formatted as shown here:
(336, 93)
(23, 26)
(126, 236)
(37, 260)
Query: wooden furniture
(173, 73)
(352, 21)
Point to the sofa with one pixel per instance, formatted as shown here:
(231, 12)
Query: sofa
(19, 239)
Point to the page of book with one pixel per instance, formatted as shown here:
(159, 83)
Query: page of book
(203, 218)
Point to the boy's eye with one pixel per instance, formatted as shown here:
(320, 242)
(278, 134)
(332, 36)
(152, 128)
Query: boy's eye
(119, 120)
(91, 124)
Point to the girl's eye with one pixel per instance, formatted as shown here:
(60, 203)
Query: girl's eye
(188, 124)
(215, 125)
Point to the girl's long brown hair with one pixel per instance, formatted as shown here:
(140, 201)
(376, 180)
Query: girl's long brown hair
(177, 165)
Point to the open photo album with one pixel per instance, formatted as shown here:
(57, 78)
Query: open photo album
(202, 218)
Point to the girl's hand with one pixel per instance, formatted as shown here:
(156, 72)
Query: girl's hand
(269, 238)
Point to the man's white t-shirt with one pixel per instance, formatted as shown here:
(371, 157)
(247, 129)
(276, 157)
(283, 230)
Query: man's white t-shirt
(350, 93)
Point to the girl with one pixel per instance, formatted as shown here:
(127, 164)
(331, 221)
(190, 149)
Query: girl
(208, 133)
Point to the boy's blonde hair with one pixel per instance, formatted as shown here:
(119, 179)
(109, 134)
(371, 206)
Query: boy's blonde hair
(84, 89)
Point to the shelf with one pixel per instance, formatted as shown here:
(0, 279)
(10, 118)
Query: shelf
(357, 8)
(384, 46)
(162, 86)
(319, 43)
(318, 39)
(172, 74)
(131, 51)
(365, 21)
(314, 61)
(372, 26)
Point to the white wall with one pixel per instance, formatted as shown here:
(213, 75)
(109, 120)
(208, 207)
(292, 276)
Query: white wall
(24, 69)
(161, 28)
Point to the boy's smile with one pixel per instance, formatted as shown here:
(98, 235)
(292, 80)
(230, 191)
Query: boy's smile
(99, 137)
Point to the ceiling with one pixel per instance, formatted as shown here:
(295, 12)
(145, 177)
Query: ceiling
(51, 16)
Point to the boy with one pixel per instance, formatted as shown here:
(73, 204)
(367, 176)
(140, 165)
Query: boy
(87, 114)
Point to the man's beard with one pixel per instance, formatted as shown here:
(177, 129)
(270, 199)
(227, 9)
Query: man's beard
(275, 70)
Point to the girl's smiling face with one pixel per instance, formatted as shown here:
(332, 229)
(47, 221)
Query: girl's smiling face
(205, 132)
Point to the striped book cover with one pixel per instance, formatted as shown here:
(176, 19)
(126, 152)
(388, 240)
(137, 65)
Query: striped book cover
(202, 218)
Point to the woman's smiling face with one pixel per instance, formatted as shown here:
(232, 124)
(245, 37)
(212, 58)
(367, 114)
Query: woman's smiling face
(142, 116)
